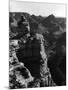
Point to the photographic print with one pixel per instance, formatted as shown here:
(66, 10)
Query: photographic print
(37, 44)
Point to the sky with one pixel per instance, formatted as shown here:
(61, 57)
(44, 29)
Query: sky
(36, 8)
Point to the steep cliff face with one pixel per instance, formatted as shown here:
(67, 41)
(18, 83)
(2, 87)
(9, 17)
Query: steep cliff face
(29, 70)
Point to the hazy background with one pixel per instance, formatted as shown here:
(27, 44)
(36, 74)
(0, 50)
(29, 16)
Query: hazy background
(36, 8)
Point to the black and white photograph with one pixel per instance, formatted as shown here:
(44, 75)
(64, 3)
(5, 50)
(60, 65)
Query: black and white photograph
(37, 44)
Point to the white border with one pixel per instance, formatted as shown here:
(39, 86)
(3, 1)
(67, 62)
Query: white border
(4, 43)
